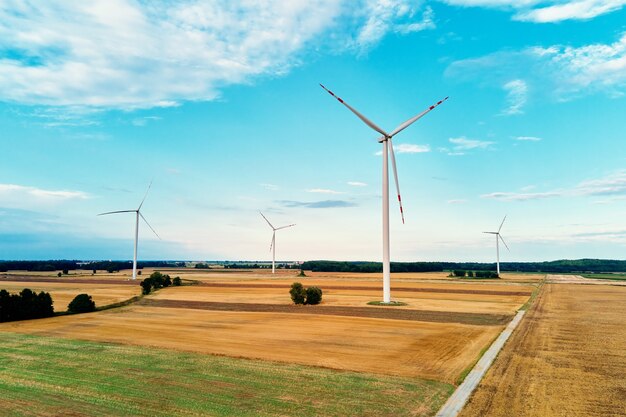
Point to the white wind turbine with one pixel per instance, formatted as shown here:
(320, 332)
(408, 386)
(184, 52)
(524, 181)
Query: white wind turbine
(385, 139)
(498, 238)
(273, 244)
(137, 215)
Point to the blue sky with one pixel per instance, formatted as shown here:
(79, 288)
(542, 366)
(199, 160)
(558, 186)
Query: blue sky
(219, 103)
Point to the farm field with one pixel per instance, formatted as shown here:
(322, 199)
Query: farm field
(567, 358)
(64, 292)
(52, 376)
(441, 332)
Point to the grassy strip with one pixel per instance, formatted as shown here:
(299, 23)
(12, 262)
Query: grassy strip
(52, 376)
(615, 277)
(533, 296)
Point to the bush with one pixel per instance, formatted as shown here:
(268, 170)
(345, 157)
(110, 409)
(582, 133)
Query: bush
(146, 286)
(59, 275)
(458, 273)
(94, 272)
(486, 274)
(82, 303)
(176, 282)
(313, 295)
(470, 274)
(298, 293)
(65, 272)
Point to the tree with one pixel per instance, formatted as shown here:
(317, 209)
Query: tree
(95, 271)
(176, 282)
(82, 303)
(59, 275)
(298, 293)
(65, 272)
(313, 295)
(458, 273)
(146, 286)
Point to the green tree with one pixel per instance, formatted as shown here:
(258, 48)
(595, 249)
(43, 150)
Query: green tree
(313, 295)
(82, 303)
(298, 293)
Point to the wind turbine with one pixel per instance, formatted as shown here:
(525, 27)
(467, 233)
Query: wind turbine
(498, 238)
(385, 139)
(273, 244)
(137, 215)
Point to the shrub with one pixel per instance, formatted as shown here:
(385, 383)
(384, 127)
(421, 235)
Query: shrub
(59, 275)
(82, 303)
(146, 286)
(94, 272)
(458, 273)
(65, 272)
(313, 295)
(298, 293)
(470, 274)
(176, 282)
(138, 272)
(302, 274)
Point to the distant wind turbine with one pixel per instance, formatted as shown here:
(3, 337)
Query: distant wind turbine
(137, 215)
(385, 139)
(273, 244)
(498, 238)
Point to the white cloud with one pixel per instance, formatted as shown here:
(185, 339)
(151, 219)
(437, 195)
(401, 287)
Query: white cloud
(528, 138)
(271, 187)
(125, 54)
(323, 191)
(560, 72)
(612, 185)
(462, 143)
(26, 197)
(571, 10)
(516, 97)
(385, 16)
(408, 148)
(547, 11)
(459, 201)
(356, 184)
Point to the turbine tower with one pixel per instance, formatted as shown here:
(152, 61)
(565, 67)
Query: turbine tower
(498, 238)
(273, 244)
(137, 215)
(385, 140)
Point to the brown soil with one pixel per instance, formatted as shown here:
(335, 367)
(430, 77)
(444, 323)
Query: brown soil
(567, 358)
(378, 312)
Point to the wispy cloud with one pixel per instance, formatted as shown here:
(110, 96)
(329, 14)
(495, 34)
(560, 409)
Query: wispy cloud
(27, 197)
(547, 11)
(60, 53)
(271, 187)
(612, 185)
(408, 148)
(557, 71)
(323, 191)
(463, 144)
(459, 201)
(356, 184)
(527, 138)
(317, 204)
(516, 91)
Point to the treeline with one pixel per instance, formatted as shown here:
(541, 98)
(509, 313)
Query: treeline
(255, 265)
(61, 265)
(560, 266)
(25, 305)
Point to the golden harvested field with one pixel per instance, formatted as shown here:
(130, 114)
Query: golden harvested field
(64, 292)
(439, 351)
(567, 358)
(442, 330)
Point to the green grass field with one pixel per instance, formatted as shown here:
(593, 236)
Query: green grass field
(52, 376)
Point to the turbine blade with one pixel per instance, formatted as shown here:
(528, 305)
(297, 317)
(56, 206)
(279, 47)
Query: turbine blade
(145, 195)
(273, 241)
(491, 233)
(153, 231)
(268, 222)
(284, 227)
(500, 228)
(415, 119)
(115, 212)
(359, 115)
(395, 176)
(507, 246)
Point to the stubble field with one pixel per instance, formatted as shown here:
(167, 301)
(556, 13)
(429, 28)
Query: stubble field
(248, 314)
